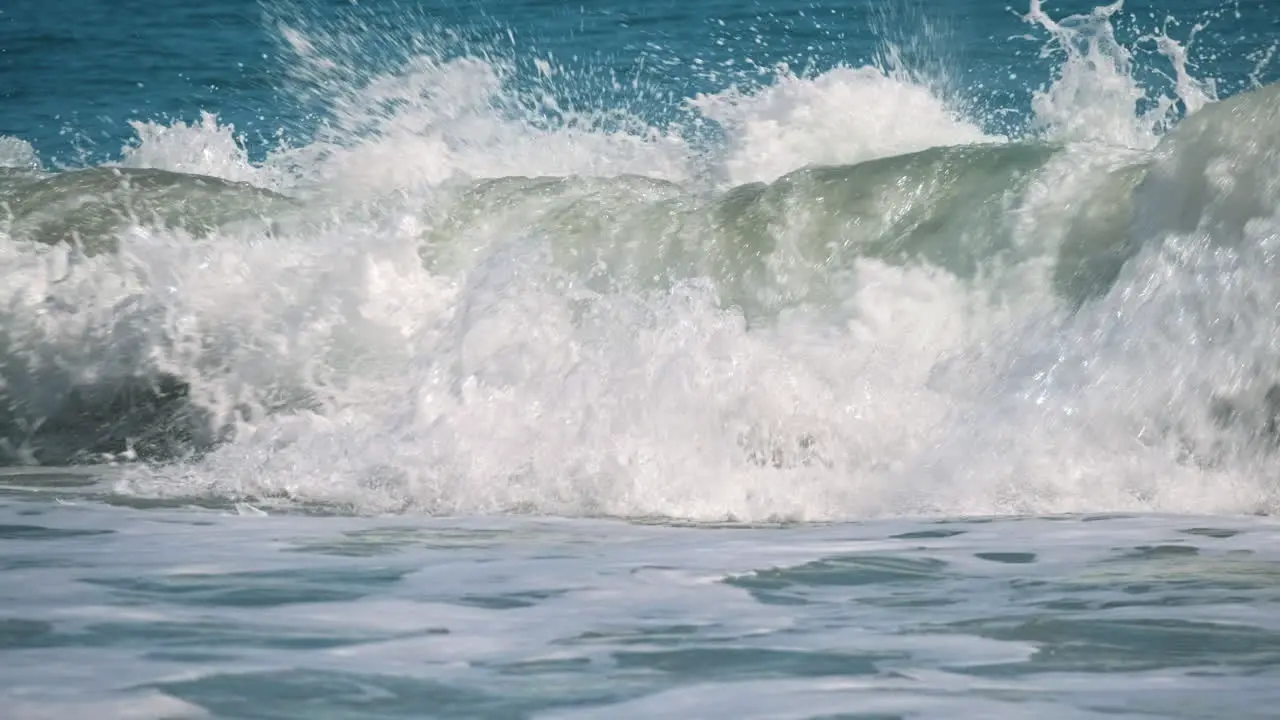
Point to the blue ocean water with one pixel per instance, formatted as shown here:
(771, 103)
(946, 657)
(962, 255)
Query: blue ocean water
(771, 359)
(75, 75)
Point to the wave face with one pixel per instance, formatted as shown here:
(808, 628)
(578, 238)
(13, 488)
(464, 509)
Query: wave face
(853, 302)
(87, 208)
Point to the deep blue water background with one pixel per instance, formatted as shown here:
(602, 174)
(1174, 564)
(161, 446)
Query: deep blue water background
(74, 72)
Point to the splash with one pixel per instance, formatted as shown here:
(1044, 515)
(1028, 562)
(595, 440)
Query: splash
(17, 153)
(201, 148)
(1095, 95)
(842, 117)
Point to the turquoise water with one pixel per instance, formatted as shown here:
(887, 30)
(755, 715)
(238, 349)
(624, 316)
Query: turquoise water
(777, 360)
(122, 612)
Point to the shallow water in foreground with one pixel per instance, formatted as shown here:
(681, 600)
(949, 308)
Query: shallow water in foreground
(116, 611)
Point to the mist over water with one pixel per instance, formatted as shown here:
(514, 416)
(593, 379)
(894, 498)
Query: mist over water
(833, 294)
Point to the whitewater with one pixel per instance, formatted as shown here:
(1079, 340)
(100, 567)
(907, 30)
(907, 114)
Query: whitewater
(819, 390)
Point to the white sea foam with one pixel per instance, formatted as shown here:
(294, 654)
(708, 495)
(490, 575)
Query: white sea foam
(845, 116)
(17, 153)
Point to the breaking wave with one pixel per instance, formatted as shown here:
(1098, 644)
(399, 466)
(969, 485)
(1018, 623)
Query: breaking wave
(855, 303)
